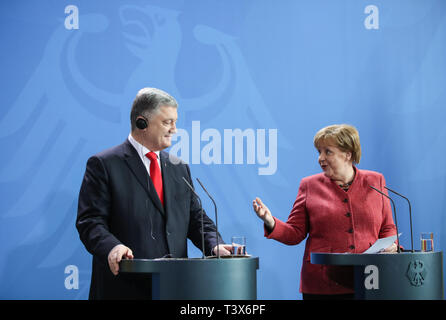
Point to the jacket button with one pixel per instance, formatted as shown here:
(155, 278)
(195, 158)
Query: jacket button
(350, 230)
(348, 214)
(352, 247)
(345, 200)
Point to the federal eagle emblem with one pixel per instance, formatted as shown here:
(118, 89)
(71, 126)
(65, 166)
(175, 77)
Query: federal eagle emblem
(416, 272)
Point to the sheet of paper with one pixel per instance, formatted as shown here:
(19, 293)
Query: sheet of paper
(381, 244)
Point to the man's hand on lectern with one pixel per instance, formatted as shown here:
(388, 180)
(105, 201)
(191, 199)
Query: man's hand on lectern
(115, 256)
(224, 249)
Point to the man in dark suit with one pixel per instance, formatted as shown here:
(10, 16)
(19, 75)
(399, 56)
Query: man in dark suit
(134, 203)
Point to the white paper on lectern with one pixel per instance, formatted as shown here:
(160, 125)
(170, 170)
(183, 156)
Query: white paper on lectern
(381, 244)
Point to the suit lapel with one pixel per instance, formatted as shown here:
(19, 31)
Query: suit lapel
(139, 170)
(169, 180)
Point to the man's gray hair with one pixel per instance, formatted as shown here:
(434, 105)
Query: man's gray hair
(147, 103)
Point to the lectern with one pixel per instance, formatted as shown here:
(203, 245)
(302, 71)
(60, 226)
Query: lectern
(232, 278)
(397, 276)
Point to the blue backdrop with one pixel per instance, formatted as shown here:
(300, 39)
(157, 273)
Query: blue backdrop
(255, 80)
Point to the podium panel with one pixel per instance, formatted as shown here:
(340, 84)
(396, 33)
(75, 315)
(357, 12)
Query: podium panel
(198, 279)
(397, 276)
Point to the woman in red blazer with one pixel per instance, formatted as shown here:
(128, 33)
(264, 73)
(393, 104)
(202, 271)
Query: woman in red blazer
(338, 211)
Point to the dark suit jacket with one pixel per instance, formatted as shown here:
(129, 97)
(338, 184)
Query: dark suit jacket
(118, 204)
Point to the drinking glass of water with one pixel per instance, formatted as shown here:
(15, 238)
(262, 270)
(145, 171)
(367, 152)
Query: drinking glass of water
(427, 241)
(239, 246)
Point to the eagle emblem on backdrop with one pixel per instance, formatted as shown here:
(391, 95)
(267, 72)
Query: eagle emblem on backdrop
(61, 117)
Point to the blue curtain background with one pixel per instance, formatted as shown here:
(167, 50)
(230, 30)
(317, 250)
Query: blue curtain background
(294, 66)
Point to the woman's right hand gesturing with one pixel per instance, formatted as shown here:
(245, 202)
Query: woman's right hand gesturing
(263, 213)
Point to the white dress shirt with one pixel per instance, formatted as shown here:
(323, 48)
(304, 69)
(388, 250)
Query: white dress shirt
(142, 151)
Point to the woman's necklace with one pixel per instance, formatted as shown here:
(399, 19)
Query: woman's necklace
(345, 186)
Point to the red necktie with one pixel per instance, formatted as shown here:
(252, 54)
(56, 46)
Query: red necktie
(155, 174)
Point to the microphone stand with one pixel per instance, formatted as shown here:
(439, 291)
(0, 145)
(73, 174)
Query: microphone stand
(394, 212)
(202, 226)
(216, 221)
(410, 214)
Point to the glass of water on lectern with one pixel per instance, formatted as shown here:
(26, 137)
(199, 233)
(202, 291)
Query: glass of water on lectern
(238, 246)
(427, 242)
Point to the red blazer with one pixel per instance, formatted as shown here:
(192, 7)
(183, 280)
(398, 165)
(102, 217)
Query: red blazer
(335, 221)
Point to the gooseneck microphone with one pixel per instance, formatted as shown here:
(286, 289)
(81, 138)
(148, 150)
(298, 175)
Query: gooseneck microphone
(202, 227)
(394, 213)
(410, 214)
(216, 221)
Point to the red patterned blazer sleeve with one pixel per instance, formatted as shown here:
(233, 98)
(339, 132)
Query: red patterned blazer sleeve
(295, 229)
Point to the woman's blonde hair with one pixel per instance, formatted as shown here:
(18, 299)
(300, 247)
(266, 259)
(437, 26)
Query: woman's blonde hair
(343, 136)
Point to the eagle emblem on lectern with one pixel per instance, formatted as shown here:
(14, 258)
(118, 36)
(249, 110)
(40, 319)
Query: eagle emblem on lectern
(416, 272)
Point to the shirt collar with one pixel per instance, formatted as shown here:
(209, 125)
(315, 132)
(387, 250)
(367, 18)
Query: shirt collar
(142, 150)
